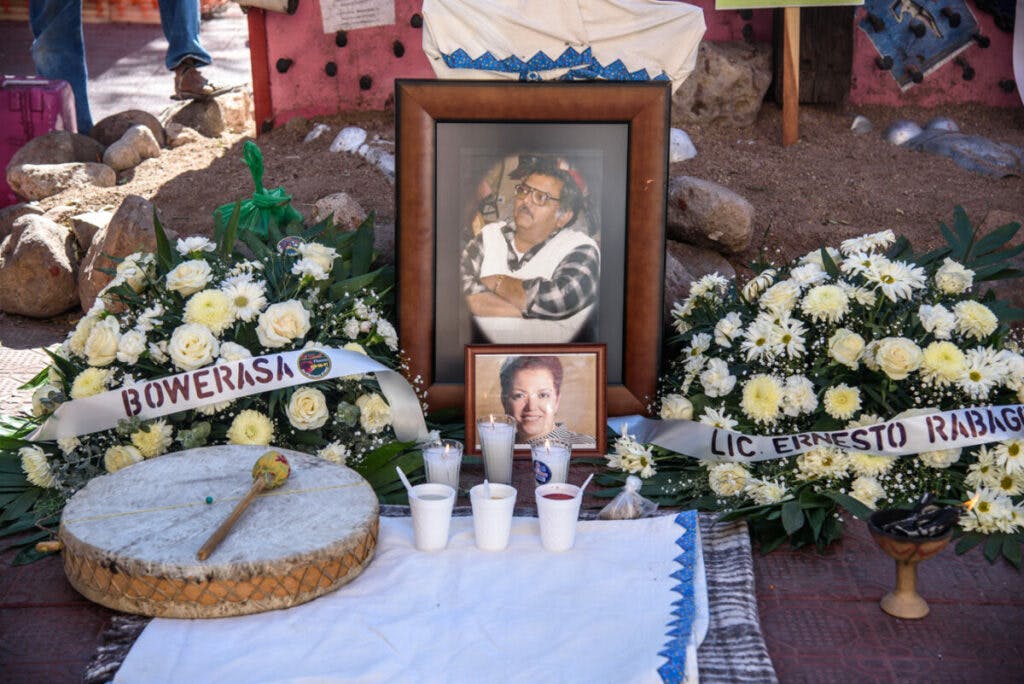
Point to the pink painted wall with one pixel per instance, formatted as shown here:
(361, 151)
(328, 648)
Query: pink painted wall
(945, 85)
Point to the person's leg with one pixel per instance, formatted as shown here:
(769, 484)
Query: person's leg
(58, 50)
(180, 22)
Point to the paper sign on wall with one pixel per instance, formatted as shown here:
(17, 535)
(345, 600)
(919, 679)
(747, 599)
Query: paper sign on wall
(345, 15)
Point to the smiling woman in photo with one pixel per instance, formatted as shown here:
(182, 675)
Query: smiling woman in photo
(531, 390)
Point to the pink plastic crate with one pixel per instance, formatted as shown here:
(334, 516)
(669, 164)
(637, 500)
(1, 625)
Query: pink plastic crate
(30, 106)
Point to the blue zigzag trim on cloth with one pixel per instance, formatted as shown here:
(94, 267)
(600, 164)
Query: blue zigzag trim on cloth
(581, 65)
(682, 625)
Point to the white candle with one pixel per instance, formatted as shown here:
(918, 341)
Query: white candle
(442, 461)
(497, 439)
(550, 462)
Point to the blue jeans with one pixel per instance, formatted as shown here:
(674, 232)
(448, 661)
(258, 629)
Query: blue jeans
(58, 48)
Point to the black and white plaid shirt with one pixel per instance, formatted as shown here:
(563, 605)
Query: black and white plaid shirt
(571, 288)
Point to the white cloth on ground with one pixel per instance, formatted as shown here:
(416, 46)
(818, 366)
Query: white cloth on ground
(599, 612)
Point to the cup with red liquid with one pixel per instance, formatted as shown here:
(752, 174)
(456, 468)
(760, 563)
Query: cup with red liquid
(558, 508)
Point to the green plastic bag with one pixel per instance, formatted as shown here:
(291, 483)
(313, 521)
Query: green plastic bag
(266, 207)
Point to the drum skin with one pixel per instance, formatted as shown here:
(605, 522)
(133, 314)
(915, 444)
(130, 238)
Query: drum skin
(130, 538)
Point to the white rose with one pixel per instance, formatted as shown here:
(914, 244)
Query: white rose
(845, 347)
(192, 346)
(323, 255)
(676, 407)
(101, 347)
(130, 346)
(281, 323)
(132, 270)
(189, 277)
(307, 409)
(232, 351)
(898, 357)
(374, 413)
(77, 338)
(953, 278)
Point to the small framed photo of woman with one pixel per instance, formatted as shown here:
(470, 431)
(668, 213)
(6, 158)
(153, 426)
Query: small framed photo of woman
(552, 392)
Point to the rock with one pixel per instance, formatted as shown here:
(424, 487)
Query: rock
(349, 139)
(111, 129)
(680, 146)
(902, 131)
(997, 218)
(297, 125)
(203, 115)
(36, 181)
(318, 130)
(347, 212)
(85, 226)
(686, 263)
(384, 241)
(38, 268)
(941, 123)
(706, 214)
(236, 110)
(861, 125)
(8, 215)
(727, 85)
(130, 230)
(178, 135)
(381, 158)
(971, 152)
(136, 144)
(57, 147)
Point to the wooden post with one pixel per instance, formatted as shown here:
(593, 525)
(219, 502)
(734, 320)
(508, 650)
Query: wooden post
(260, 61)
(790, 75)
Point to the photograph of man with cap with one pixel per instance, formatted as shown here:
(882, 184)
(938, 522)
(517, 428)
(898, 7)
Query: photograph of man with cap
(535, 265)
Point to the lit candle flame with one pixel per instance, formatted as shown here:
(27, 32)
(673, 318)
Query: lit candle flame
(972, 502)
(547, 446)
(492, 420)
(446, 447)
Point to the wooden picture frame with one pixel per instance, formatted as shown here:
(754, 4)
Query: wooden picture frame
(440, 124)
(497, 374)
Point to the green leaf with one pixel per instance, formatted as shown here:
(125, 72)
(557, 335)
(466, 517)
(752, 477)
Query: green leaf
(855, 507)
(964, 230)
(816, 517)
(792, 517)
(1011, 551)
(164, 254)
(968, 542)
(227, 244)
(829, 264)
(993, 547)
(29, 554)
(996, 239)
(22, 504)
(362, 248)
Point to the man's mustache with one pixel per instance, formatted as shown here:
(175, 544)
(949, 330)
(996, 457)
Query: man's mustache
(524, 208)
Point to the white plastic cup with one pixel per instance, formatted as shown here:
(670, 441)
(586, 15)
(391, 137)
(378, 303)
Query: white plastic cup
(558, 515)
(550, 462)
(497, 436)
(492, 515)
(442, 461)
(431, 506)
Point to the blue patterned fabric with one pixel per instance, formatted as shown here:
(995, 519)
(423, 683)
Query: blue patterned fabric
(581, 65)
(681, 627)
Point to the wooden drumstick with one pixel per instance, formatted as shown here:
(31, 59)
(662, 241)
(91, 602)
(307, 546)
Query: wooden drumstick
(271, 471)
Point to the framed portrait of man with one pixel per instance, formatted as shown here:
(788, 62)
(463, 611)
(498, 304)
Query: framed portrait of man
(531, 213)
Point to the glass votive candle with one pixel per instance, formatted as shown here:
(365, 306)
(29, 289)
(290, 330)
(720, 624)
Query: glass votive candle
(497, 436)
(550, 461)
(442, 460)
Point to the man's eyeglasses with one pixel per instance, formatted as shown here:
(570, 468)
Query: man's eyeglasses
(539, 197)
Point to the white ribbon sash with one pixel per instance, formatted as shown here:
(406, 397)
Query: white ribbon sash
(232, 380)
(898, 437)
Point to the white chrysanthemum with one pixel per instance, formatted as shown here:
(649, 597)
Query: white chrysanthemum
(984, 472)
(351, 328)
(727, 479)
(897, 279)
(67, 445)
(310, 268)
(984, 371)
(822, 462)
(713, 284)
(861, 263)
(758, 284)
(728, 329)
(864, 296)
(790, 336)
(940, 458)
(89, 382)
(632, 457)
(194, 244)
(214, 408)
(232, 351)
(676, 407)
(974, 319)
(335, 452)
(699, 344)
(149, 318)
(938, 320)
(36, 467)
(898, 357)
(845, 347)
(870, 465)
(867, 490)
(211, 308)
(131, 346)
(780, 298)
(153, 439)
(953, 278)
(716, 378)
(765, 492)
(828, 303)
(323, 255)
(248, 297)
(942, 363)
(680, 315)
(992, 513)
(762, 398)
(388, 332)
(374, 413)
(101, 346)
(189, 277)
(814, 257)
(307, 409)
(192, 346)
(1009, 484)
(1009, 455)
(799, 396)
(868, 243)
(808, 275)
(158, 351)
(842, 401)
(759, 339)
(251, 427)
(1013, 362)
(283, 322)
(121, 456)
(718, 418)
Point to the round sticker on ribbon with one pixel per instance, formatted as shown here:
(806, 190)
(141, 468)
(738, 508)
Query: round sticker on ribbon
(314, 364)
(289, 245)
